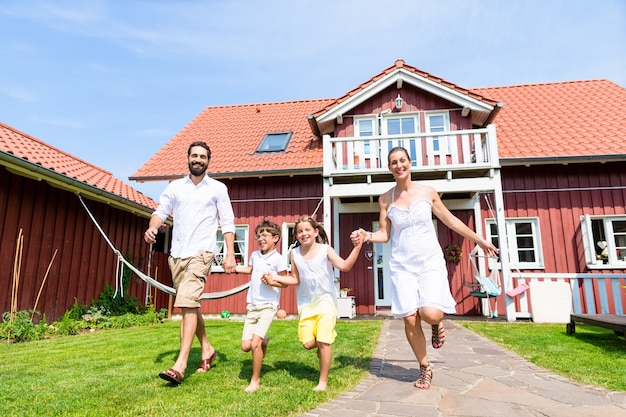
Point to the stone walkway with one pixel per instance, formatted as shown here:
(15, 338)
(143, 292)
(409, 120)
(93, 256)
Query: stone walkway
(472, 376)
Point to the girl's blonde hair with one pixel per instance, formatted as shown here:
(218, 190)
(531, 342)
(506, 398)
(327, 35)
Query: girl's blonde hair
(321, 237)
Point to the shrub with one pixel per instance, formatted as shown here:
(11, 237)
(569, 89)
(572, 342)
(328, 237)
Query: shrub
(19, 327)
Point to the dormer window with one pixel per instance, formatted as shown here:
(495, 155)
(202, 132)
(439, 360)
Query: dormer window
(275, 142)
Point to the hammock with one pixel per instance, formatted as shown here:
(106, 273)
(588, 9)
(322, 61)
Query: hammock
(121, 261)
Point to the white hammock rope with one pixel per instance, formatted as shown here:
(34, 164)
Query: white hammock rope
(121, 261)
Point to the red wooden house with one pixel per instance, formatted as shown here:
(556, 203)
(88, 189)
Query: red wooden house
(51, 253)
(539, 169)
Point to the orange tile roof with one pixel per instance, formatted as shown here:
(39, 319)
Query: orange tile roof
(234, 133)
(564, 119)
(33, 150)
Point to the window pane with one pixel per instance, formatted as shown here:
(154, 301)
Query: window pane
(365, 127)
(523, 229)
(525, 242)
(393, 127)
(526, 255)
(408, 125)
(276, 141)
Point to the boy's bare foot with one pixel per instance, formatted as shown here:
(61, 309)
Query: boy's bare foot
(320, 387)
(252, 387)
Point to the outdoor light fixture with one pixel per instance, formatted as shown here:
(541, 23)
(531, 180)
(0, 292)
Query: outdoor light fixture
(399, 102)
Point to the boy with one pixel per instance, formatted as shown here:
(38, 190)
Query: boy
(262, 298)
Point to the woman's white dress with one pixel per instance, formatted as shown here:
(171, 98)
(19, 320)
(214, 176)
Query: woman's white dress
(419, 275)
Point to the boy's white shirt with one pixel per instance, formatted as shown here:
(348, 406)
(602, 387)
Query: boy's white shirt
(260, 293)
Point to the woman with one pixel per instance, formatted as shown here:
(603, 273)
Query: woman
(420, 289)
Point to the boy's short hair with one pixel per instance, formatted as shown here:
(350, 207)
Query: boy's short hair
(267, 226)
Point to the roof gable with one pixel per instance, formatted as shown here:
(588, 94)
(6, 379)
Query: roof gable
(30, 157)
(398, 75)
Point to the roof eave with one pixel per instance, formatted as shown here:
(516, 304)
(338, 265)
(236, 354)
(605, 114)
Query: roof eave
(22, 167)
(561, 160)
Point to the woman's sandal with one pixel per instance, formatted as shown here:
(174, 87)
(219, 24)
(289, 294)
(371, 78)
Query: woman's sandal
(438, 336)
(172, 375)
(206, 364)
(426, 376)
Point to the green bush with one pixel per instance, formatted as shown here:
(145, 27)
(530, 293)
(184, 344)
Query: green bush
(19, 327)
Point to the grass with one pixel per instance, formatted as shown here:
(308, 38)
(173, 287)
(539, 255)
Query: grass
(592, 355)
(114, 373)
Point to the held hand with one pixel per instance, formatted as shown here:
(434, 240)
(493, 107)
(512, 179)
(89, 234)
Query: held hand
(150, 235)
(267, 278)
(357, 237)
(229, 264)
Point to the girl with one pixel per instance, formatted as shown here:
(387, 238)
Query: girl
(312, 262)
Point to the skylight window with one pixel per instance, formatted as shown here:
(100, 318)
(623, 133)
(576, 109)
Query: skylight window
(274, 142)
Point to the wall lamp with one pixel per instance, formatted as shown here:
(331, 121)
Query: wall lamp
(399, 102)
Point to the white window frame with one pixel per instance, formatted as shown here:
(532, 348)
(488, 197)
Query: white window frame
(406, 140)
(241, 242)
(600, 228)
(511, 236)
(443, 143)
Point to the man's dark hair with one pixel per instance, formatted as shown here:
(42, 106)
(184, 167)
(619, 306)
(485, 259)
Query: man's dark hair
(200, 143)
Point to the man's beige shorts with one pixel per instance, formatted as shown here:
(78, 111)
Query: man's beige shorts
(189, 276)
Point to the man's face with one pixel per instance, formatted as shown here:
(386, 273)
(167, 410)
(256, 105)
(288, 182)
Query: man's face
(198, 161)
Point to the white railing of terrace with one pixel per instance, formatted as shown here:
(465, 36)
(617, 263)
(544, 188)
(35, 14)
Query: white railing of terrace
(445, 151)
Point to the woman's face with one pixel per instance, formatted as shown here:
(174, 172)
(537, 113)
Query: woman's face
(399, 164)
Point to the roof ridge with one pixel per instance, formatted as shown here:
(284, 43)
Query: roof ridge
(45, 144)
(542, 84)
(267, 103)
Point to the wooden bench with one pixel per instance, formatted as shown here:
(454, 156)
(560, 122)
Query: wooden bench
(601, 289)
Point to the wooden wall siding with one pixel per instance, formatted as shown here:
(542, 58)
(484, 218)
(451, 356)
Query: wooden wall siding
(52, 219)
(558, 196)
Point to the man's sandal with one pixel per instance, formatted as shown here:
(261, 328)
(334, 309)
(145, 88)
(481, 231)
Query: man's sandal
(206, 364)
(172, 375)
(426, 376)
(438, 335)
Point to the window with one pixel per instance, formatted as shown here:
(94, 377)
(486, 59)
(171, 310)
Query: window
(241, 248)
(274, 142)
(403, 126)
(435, 123)
(604, 240)
(523, 240)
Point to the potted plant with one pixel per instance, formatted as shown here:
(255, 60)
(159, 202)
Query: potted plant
(343, 292)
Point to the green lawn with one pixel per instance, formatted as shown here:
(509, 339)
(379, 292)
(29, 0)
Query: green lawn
(592, 355)
(114, 373)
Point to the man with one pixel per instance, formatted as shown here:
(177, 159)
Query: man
(198, 204)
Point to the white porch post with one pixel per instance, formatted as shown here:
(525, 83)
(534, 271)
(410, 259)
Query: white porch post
(507, 280)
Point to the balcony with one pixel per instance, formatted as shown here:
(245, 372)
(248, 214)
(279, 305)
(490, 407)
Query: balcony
(458, 161)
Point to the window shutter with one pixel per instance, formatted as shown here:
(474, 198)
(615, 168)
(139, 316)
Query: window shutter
(588, 243)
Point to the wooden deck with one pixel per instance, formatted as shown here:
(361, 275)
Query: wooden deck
(608, 321)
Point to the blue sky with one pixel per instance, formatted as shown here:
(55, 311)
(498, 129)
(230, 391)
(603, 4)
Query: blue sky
(112, 81)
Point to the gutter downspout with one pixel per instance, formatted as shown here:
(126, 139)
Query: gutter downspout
(494, 113)
(315, 128)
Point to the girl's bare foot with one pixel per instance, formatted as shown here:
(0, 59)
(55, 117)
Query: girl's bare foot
(252, 387)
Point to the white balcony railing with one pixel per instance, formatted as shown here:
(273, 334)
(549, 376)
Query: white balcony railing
(456, 150)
